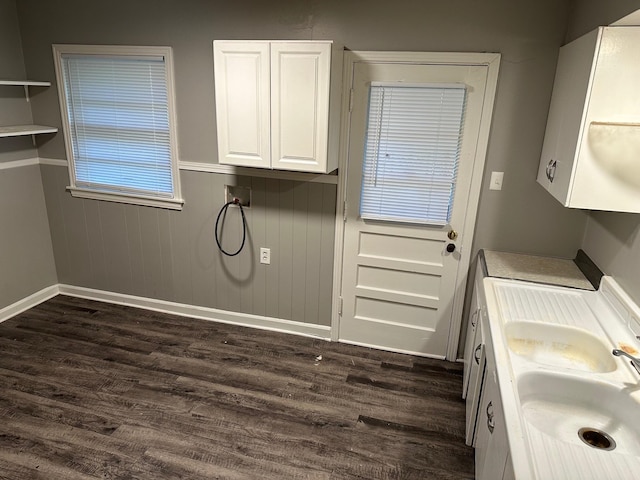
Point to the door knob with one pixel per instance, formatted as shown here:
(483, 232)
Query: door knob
(451, 247)
(452, 234)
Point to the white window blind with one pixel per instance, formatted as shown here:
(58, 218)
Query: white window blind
(411, 153)
(119, 125)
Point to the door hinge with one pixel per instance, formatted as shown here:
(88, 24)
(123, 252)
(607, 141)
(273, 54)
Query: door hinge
(340, 306)
(344, 211)
(351, 100)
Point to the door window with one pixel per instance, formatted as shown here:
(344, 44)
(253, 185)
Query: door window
(411, 153)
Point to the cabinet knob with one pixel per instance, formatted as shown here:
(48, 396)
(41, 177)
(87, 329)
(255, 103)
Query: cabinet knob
(491, 424)
(551, 170)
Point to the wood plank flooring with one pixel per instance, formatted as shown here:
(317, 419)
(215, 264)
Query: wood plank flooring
(93, 390)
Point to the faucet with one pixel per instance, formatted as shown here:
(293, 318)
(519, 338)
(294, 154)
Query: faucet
(635, 361)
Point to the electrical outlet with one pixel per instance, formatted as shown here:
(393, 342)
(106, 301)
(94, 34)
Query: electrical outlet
(265, 255)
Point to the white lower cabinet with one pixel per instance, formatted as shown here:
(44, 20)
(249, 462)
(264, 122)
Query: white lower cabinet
(492, 448)
(485, 421)
(472, 327)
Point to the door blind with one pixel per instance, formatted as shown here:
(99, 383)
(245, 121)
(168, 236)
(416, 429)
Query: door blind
(412, 149)
(119, 123)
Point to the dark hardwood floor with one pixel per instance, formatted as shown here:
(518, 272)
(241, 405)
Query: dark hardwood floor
(92, 390)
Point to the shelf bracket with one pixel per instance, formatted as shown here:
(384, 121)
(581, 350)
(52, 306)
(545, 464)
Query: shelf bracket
(26, 92)
(33, 140)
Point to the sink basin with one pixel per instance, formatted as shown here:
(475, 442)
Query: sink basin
(561, 406)
(559, 346)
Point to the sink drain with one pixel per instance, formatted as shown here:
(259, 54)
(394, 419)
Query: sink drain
(596, 438)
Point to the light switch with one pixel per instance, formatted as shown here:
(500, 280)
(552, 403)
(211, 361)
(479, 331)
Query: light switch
(496, 181)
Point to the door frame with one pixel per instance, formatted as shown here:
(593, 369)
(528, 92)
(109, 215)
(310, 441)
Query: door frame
(492, 62)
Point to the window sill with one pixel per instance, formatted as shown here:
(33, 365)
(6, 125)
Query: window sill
(169, 203)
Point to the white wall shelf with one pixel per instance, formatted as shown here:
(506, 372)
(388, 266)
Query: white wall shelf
(19, 130)
(22, 130)
(32, 83)
(26, 84)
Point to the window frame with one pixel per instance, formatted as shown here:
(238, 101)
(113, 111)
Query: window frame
(175, 202)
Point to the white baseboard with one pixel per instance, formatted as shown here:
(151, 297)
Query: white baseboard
(390, 349)
(203, 313)
(29, 302)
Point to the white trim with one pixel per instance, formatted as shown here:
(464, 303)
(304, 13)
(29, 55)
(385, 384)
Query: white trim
(28, 302)
(225, 170)
(396, 350)
(181, 309)
(18, 163)
(202, 313)
(58, 162)
(257, 172)
(343, 153)
(433, 58)
(492, 61)
(170, 203)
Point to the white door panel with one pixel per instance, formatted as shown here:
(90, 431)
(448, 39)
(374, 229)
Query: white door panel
(242, 80)
(300, 105)
(398, 280)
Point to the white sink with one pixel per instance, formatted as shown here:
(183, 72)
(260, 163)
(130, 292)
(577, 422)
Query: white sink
(559, 346)
(561, 405)
(557, 376)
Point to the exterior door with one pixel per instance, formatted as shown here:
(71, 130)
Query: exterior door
(400, 279)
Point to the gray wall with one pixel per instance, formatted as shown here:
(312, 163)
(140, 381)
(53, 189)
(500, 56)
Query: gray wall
(172, 255)
(528, 34)
(612, 240)
(521, 217)
(26, 256)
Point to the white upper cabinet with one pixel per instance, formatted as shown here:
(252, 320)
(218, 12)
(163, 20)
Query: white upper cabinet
(277, 104)
(592, 139)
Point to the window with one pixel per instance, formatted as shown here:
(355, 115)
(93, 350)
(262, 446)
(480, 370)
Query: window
(411, 153)
(119, 126)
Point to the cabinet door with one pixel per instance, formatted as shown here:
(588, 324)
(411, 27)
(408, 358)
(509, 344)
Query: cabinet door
(564, 123)
(608, 177)
(492, 447)
(300, 82)
(477, 370)
(474, 311)
(242, 102)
